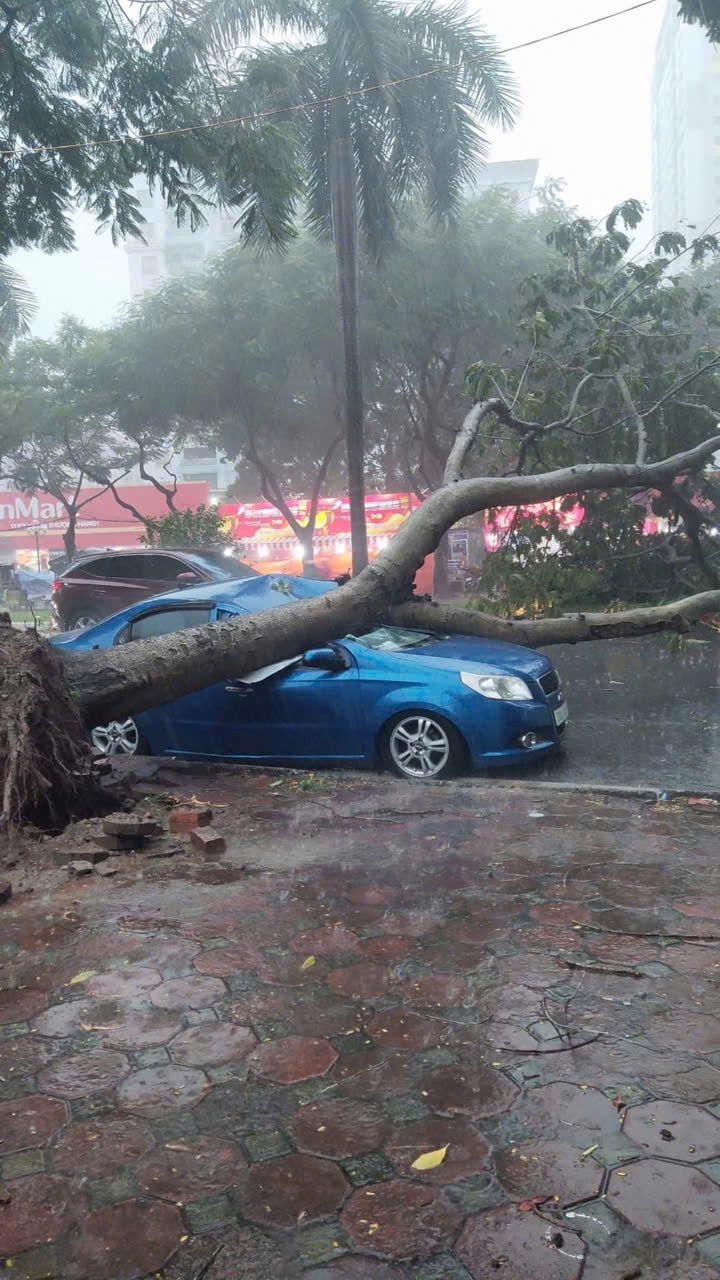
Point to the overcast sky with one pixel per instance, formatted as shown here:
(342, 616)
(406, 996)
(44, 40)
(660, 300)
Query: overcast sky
(585, 117)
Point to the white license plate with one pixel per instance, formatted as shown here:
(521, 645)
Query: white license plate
(561, 715)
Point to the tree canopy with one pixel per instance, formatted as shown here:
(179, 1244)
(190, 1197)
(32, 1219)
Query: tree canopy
(704, 12)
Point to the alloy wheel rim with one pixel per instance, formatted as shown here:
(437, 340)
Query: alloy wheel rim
(118, 738)
(419, 747)
(81, 623)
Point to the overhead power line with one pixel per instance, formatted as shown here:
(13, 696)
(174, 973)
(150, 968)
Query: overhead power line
(254, 117)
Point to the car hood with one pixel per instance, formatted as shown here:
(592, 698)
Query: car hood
(468, 653)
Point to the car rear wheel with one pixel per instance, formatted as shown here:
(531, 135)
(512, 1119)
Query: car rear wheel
(82, 619)
(420, 745)
(118, 738)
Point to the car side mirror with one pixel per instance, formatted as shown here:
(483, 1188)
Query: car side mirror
(187, 579)
(324, 659)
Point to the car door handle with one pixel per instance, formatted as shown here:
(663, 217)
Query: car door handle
(244, 689)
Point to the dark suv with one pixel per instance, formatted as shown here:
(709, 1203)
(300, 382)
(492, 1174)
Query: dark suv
(96, 586)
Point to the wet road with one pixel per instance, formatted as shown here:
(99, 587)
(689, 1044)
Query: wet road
(641, 715)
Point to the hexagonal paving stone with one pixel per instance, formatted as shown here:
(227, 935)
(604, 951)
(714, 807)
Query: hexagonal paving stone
(374, 1073)
(280, 1191)
(330, 940)
(96, 1148)
(560, 913)
(155, 1091)
(293, 1058)
(568, 1112)
(326, 1017)
(21, 1004)
(188, 993)
(674, 1130)
(29, 1122)
(142, 1030)
(123, 983)
(433, 990)
(222, 962)
(398, 1029)
(658, 1196)
(386, 948)
(338, 1128)
(464, 1090)
(39, 1209)
(547, 1169)
(127, 1240)
(69, 1018)
(213, 1042)
(518, 1245)
(287, 971)
(80, 1074)
(355, 1268)
(412, 924)
(361, 981)
(400, 1219)
(190, 1168)
(373, 895)
(468, 1152)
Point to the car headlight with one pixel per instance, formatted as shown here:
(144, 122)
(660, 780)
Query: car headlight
(503, 688)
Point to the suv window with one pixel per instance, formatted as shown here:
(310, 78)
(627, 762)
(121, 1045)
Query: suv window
(113, 567)
(163, 568)
(164, 621)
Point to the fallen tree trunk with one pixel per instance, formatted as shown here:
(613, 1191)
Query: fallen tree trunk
(112, 683)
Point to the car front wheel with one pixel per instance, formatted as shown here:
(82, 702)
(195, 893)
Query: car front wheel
(118, 738)
(420, 744)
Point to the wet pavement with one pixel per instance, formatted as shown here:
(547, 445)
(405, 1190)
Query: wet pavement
(641, 714)
(230, 1068)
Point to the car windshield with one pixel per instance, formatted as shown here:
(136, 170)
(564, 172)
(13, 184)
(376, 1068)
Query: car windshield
(392, 639)
(228, 566)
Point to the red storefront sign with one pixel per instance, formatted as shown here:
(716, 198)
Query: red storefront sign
(38, 518)
(268, 542)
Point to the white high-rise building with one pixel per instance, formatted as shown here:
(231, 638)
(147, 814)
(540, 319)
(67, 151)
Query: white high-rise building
(171, 250)
(686, 128)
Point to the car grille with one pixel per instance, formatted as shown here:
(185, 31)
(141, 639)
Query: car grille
(550, 682)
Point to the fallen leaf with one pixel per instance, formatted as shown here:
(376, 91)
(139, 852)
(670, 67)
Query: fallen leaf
(430, 1159)
(588, 1151)
(82, 977)
(526, 1206)
(88, 1026)
(308, 964)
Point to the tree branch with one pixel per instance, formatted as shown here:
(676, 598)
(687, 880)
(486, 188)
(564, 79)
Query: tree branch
(637, 418)
(678, 616)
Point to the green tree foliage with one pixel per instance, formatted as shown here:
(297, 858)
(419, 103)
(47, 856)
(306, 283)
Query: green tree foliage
(200, 528)
(704, 12)
(47, 439)
(91, 79)
(615, 359)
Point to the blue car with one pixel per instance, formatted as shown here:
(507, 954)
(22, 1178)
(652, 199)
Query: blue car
(422, 704)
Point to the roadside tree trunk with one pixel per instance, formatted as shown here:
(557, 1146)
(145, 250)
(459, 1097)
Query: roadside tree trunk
(343, 203)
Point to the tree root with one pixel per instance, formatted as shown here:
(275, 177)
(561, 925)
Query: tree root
(45, 759)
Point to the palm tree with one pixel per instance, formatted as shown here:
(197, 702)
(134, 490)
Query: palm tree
(402, 94)
(17, 307)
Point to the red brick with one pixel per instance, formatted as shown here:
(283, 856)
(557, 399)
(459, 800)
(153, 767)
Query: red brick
(207, 840)
(183, 821)
(97, 1148)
